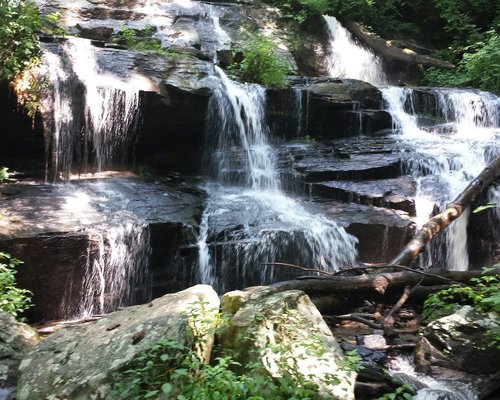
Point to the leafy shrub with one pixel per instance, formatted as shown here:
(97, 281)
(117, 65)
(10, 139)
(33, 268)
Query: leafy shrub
(483, 295)
(19, 23)
(299, 11)
(479, 67)
(13, 300)
(404, 392)
(4, 174)
(261, 63)
(140, 41)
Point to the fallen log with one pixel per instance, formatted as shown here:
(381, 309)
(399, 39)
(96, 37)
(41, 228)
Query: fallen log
(393, 50)
(453, 210)
(373, 284)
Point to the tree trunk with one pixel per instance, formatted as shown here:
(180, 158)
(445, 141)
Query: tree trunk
(393, 50)
(453, 210)
(374, 284)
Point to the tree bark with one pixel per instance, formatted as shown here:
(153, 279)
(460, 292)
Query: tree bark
(392, 50)
(372, 284)
(453, 210)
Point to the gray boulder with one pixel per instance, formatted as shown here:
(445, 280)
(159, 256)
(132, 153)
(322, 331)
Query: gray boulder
(460, 347)
(285, 332)
(79, 363)
(16, 339)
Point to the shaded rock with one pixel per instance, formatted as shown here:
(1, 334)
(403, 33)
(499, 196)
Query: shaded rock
(461, 341)
(16, 339)
(65, 233)
(79, 363)
(380, 232)
(358, 167)
(263, 320)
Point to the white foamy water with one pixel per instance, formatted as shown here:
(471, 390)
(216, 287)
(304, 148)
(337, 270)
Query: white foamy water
(447, 156)
(99, 135)
(268, 226)
(117, 260)
(348, 59)
(403, 370)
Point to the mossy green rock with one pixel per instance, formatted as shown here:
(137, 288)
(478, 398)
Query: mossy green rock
(286, 333)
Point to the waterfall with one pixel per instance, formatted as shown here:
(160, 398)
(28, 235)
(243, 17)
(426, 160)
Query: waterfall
(246, 194)
(117, 273)
(101, 134)
(446, 157)
(118, 252)
(348, 59)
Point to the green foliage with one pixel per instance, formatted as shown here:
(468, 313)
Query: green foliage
(487, 206)
(19, 23)
(139, 40)
(483, 294)
(4, 174)
(479, 67)
(13, 300)
(404, 392)
(299, 11)
(261, 63)
(170, 370)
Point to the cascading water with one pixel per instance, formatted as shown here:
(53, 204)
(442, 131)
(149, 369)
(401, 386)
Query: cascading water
(102, 133)
(92, 115)
(348, 59)
(403, 371)
(446, 157)
(117, 261)
(267, 225)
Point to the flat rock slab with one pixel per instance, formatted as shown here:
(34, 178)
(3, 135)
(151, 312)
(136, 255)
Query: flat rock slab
(354, 159)
(381, 232)
(134, 233)
(397, 193)
(33, 209)
(79, 363)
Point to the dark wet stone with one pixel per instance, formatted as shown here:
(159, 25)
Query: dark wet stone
(381, 232)
(53, 229)
(395, 193)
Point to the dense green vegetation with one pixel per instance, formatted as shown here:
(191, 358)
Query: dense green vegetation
(261, 63)
(483, 294)
(19, 23)
(13, 299)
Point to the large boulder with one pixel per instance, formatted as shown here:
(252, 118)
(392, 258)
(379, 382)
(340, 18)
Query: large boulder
(461, 347)
(16, 339)
(79, 363)
(286, 333)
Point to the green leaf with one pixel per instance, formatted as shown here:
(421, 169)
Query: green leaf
(166, 388)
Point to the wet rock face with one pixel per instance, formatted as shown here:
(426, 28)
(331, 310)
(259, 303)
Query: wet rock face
(263, 319)
(16, 339)
(461, 341)
(65, 234)
(80, 363)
